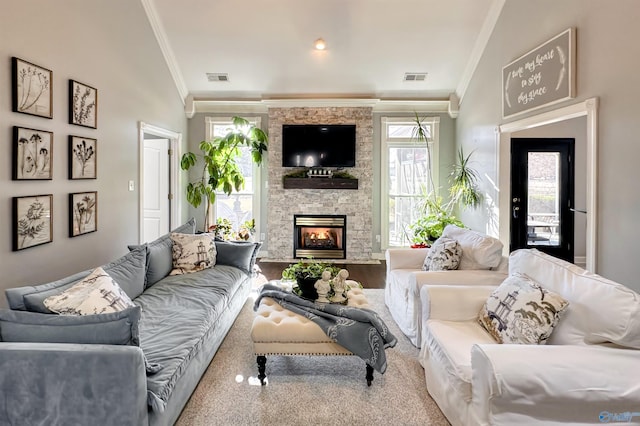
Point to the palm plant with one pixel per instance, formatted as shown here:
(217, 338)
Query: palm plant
(464, 182)
(436, 214)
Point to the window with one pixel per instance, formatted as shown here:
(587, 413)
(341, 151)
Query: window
(405, 172)
(244, 205)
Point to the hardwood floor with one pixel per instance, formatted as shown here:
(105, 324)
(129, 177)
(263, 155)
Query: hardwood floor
(370, 276)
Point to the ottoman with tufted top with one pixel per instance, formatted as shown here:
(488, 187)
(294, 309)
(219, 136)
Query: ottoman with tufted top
(278, 331)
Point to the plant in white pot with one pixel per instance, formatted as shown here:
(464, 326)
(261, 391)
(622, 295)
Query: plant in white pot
(218, 160)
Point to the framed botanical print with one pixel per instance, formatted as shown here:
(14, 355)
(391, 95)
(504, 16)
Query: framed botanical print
(32, 221)
(83, 213)
(32, 154)
(31, 88)
(83, 105)
(83, 157)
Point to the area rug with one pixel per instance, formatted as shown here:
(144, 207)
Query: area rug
(311, 390)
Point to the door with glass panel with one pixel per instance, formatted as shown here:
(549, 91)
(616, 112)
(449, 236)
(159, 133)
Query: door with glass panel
(542, 195)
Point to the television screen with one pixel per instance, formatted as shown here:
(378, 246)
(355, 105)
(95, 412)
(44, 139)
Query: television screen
(318, 145)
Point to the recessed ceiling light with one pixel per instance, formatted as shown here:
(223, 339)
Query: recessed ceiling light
(319, 44)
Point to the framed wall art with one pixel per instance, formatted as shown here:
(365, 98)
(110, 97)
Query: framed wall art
(83, 105)
(31, 88)
(83, 157)
(32, 154)
(83, 213)
(32, 221)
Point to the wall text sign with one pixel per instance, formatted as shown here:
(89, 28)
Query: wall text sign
(541, 77)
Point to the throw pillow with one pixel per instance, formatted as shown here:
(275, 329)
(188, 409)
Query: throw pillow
(479, 251)
(192, 253)
(159, 254)
(520, 310)
(117, 328)
(240, 254)
(444, 255)
(98, 293)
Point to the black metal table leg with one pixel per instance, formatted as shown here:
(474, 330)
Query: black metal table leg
(262, 362)
(369, 375)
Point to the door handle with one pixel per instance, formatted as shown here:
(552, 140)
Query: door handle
(515, 211)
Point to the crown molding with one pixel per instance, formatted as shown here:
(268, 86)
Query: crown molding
(165, 47)
(262, 105)
(478, 49)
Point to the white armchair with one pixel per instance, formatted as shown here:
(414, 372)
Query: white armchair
(405, 276)
(587, 373)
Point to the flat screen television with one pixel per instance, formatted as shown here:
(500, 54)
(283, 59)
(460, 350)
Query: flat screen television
(318, 145)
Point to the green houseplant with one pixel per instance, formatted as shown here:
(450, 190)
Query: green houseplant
(435, 213)
(218, 160)
(306, 273)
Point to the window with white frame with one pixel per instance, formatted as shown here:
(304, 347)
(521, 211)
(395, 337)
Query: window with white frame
(407, 167)
(244, 205)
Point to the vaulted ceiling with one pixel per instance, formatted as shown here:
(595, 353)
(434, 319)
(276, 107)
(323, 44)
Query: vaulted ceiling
(266, 47)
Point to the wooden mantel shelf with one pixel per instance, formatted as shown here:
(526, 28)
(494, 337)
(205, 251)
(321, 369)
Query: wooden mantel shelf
(319, 183)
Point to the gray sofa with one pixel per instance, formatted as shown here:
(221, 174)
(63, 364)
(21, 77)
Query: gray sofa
(134, 367)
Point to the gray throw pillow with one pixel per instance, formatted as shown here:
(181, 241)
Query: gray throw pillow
(239, 254)
(159, 254)
(117, 328)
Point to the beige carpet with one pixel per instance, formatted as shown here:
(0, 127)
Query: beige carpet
(311, 390)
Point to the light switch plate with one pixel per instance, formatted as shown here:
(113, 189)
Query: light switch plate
(132, 185)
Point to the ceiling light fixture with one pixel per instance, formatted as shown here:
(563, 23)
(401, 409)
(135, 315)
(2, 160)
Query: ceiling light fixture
(319, 44)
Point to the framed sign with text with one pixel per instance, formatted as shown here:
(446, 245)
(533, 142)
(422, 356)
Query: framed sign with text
(540, 77)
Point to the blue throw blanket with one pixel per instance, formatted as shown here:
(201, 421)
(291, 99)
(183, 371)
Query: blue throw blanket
(360, 331)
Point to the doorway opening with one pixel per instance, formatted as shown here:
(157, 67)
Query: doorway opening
(542, 195)
(587, 109)
(158, 181)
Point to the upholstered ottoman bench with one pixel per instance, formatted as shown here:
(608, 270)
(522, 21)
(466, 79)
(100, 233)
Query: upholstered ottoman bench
(278, 331)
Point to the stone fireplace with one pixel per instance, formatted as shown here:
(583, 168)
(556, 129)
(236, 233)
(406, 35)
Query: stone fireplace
(354, 204)
(319, 236)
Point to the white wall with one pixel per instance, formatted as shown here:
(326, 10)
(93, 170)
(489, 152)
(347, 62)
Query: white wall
(109, 45)
(607, 64)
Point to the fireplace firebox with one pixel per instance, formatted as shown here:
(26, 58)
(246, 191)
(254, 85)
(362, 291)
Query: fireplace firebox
(320, 236)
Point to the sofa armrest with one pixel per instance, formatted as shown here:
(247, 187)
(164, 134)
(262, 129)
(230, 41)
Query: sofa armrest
(62, 383)
(453, 303)
(405, 258)
(529, 384)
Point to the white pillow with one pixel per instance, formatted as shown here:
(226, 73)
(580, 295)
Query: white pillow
(444, 255)
(521, 311)
(98, 293)
(479, 251)
(192, 253)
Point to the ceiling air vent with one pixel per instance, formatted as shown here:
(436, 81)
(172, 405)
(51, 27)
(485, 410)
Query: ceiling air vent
(415, 76)
(217, 76)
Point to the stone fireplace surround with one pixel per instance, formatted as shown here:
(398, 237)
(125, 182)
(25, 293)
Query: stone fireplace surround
(357, 205)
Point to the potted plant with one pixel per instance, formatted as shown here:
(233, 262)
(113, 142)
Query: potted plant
(247, 230)
(427, 229)
(437, 214)
(218, 159)
(306, 273)
(464, 182)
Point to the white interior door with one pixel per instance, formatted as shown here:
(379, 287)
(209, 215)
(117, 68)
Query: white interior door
(157, 207)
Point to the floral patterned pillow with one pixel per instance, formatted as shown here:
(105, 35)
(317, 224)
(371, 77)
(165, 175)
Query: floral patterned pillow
(98, 293)
(192, 253)
(444, 255)
(521, 311)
